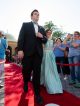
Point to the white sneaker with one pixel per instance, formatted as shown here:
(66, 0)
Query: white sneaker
(65, 78)
(1, 86)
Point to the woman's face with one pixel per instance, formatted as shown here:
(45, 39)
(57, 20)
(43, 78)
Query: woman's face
(58, 41)
(49, 34)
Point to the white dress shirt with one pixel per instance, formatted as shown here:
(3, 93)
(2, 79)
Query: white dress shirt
(35, 27)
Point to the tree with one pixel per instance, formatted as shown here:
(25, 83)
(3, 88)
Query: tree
(56, 31)
(49, 25)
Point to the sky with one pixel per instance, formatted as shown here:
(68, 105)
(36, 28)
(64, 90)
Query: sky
(63, 13)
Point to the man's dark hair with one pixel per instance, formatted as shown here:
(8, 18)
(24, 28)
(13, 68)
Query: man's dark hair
(33, 12)
(77, 32)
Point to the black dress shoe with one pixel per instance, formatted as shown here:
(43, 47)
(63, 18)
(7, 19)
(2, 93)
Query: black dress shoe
(39, 100)
(25, 87)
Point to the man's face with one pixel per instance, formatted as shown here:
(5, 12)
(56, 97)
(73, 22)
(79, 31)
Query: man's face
(76, 36)
(35, 16)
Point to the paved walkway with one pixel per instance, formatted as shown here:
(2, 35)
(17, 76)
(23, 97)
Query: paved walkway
(66, 86)
(70, 88)
(2, 93)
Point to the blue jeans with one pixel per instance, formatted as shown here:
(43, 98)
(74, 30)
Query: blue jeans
(79, 70)
(74, 70)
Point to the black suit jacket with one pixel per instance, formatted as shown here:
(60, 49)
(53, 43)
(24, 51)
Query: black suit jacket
(27, 40)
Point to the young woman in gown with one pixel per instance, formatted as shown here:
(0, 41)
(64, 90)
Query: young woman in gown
(49, 74)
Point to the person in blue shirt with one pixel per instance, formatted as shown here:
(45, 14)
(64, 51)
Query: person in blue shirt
(74, 58)
(3, 46)
(58, 50)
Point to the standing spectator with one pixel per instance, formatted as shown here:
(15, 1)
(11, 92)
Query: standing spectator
(3, 46)
(74, 56)
(59, 49)
(66, 68)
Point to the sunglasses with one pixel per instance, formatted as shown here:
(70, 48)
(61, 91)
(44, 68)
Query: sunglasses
(75, 34)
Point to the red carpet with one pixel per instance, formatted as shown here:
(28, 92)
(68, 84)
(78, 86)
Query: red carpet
(14, 95)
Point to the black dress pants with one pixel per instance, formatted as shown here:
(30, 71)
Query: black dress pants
(32, 63)
(59, 68)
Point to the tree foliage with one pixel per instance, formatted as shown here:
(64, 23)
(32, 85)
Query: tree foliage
(50, 25)
(56, 31)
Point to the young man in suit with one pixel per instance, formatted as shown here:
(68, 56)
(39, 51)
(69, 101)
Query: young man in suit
(30, 50)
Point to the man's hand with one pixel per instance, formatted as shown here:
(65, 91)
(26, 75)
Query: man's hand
(75, 45)
(39, 35)
(20, 55)
(68, 37)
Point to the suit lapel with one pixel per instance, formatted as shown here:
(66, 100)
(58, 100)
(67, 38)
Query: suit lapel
(32, 27)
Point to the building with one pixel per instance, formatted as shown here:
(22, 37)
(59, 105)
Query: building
(11, 41)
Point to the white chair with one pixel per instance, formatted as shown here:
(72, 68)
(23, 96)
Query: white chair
(52, 104)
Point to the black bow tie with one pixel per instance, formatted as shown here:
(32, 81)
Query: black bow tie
(35, 23)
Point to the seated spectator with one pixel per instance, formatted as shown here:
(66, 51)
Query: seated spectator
(9, 54)
(15, 57)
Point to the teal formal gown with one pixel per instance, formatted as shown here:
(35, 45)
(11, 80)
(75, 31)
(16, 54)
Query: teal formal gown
(49, 74)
